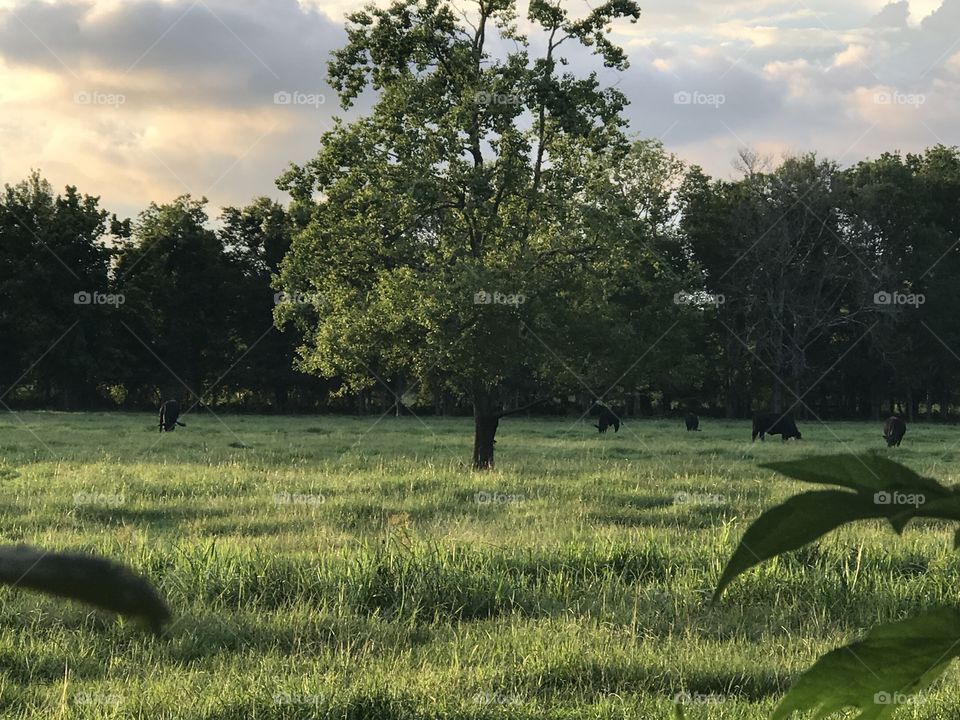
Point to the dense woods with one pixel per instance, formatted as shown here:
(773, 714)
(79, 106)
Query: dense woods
(836, 287)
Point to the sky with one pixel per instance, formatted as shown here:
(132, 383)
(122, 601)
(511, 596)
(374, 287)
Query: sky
(145, 100)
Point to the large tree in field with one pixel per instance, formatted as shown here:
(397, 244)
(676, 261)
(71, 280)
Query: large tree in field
(455, 229)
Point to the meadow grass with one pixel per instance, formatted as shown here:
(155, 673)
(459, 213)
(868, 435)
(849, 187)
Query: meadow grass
(339, 567)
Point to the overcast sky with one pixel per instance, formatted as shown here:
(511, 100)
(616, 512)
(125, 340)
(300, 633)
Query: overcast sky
(140, 100)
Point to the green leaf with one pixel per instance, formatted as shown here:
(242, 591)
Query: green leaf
(800, 520)
(866, 473)
(877, 674)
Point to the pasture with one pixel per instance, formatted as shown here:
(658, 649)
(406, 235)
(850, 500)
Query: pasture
(340, 567)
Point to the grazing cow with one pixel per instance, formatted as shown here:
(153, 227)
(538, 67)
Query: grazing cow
(692, 421)
(894, 430)
(169, 412)
(607, 418)
(774, 424)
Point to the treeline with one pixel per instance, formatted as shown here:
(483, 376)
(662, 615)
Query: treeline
(806, 285)
(97, 312)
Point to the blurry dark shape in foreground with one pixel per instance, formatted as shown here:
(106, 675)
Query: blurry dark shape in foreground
(94, 580)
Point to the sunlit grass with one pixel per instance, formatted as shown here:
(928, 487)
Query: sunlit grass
(354, 568)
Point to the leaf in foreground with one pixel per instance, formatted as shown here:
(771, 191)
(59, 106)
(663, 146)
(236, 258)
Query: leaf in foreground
(878, 674)
(87, 578)
(867, 473)
(798, 521)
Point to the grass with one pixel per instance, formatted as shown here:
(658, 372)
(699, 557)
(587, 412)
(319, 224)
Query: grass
(349, 568)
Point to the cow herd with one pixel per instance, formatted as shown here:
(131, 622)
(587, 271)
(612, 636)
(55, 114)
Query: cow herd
(764, 424)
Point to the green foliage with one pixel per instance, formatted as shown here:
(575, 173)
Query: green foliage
(447, 190)
(181, 295)
(896, 660)
(52, 247)
(879, 673)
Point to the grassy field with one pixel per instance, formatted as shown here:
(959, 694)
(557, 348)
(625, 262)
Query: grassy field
(323, 567)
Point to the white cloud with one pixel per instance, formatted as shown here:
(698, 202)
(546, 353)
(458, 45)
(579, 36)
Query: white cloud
(198, 83)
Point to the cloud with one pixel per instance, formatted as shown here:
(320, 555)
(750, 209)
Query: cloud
(140, 100)
(145, 100)
(236, 54)
(896, 14)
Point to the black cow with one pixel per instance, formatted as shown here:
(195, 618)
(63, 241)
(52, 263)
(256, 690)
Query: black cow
(774, 424)
(692, 421)
(607, 418)
(169, 412)
(894, 430)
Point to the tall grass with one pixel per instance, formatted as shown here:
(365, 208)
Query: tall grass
(355, 568)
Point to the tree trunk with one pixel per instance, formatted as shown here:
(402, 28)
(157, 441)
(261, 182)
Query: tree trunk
(731, 403)
(486, 418)
(666, 403)
(485, 430)
(875, 403)
(777, 400)
(281, 395)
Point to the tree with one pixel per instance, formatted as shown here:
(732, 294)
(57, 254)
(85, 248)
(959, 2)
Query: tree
(458, 211)
(772, 245)
(256, 238)
(181, 295)
(901, 218)
(717, 224)
(54, 269)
